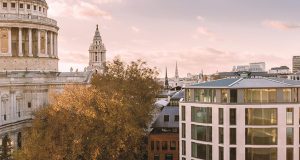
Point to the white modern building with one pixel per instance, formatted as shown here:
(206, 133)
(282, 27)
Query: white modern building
(252, 67)
(241, 119)
(29, 64)
(280, 70)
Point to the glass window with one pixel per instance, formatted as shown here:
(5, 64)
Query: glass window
(183, 113)
(232, 115)
(157, 145)
(289, 116)
(29, 105)
(197, 95)
(176, 118)
(28, 6)
(260, 95)
(261, 116)
(221, 153)
(289, 136)
(221, 135)
(169, 157)
(232, 153)
(13, 5)
(188, 95)
(40, 9)
(233, 96)
(232, 135)
(173, 145)
(202, 133)
(183, 149)
(21, 5)
(166, 118)
(202, 114)
(290, 154)
(183, 130)
(164, 145)
(201, 151)
(261, 153)
(4, 5)
(34, 7)
(209, 95)
(261, 136)
(287, 95)
(224, 95)
(221, 116)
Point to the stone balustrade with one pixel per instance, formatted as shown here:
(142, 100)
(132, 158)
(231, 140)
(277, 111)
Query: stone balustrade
(27, 18)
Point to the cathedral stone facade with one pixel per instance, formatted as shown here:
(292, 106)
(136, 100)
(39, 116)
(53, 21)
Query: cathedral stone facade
(29, 63)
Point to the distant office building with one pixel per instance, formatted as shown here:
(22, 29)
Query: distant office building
(240, 119)
(296, 64)
(252, 67)
(280, 70)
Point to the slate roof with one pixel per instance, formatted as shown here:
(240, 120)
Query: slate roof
(262, 82)
(171, 111)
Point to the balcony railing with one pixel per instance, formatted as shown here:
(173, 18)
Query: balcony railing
(27, 18)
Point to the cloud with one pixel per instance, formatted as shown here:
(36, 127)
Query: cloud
(200, 18)
(203, 31)
(135, 29)
(78, 9)
(279, 25)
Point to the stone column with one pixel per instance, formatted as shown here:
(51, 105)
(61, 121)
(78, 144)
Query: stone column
(51, 45)
(20, 42)
(9, 42)
(30, 42)
(56, 45)
(46, 45)
(39, 43)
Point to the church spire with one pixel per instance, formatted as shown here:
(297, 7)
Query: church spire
(176, 72)
(166, 79)
(97, 36)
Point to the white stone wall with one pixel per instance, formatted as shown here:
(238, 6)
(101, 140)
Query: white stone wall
(240, 128)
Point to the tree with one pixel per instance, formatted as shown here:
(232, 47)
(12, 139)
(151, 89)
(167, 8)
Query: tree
(6, 148)
(105, 121)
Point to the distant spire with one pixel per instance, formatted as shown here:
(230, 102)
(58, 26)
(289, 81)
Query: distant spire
(176, 72)
(97, 34)
(166, 79)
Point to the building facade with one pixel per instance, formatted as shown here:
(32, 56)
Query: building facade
(29, 64)
(296, 64)
(241, 119)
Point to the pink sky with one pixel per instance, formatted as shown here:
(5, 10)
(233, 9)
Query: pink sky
(201, 35)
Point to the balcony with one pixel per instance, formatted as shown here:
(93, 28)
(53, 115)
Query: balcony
(27, 18)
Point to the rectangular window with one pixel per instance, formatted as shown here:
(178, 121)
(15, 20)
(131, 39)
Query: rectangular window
(173, 145)
(209, 95)
(289, 136)
(28, 6)
(176, 118)
(21, 5)
(260, 95)
(202, 133)
(221, 153)
(221, 116)
(183, 130)
(232, 115)
(29, 105)
(188, 95)
(201, 151)
(183, 113)
(197, 95)
(261, 153)
(4, 5)
(183, 149)
(152, 145)
(221, 135)
(166, 118)
(164, 145)
(34, 8)
(289, 116)
(157, 145)
(261, 116)
(13, 5)
(233, 96)
(40, 9)
(224, 95)
(261, 136)
(232, 135)
(290, 154)
(169, 157)
(202, 114)
(232, 153)
(287, 95)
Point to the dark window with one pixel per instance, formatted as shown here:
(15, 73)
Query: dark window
(40, 8)
(21, 5)
(261, 136)
(166, 118)
(232, 153)
(232, 116)
(232, 135)
(29, 105)
(290, 154)
(202, 151)
(183, 130)
(202, 133)
(157, 145)
(261, 153)
(183, 149)
(156, 157)
(13, 5)
(233, 96)
(28, 6)
(221, 153)
(44, 10)
(152, 145)
(34, 8)
(176, 118)
(169, 156)
(201, 114)
(19, 141)
(173, 145)
(221, 116)
(221, 135)
(289, 136)
(164, 145)
(183, 113)
(4, 117)
(4, 5)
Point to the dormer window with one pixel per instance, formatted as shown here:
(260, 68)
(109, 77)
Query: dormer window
(4, 5)
(13, 5)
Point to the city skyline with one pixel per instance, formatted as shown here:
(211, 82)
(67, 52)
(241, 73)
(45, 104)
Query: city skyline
(163, 32)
